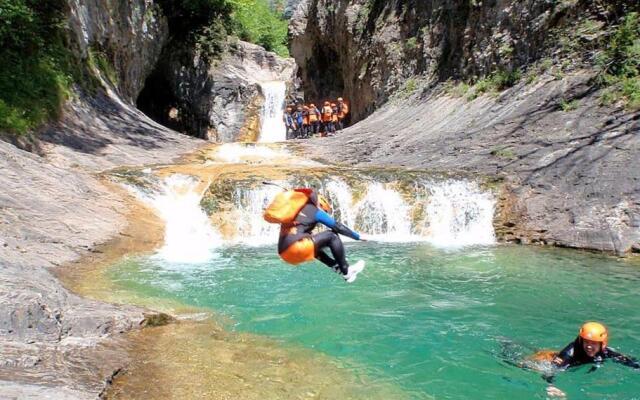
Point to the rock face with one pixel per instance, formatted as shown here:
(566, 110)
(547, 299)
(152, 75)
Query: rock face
(53, 343)
(129, 35)
(569, 177)
(365, 50)
(217, 100)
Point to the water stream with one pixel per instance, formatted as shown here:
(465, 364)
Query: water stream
(440, 311)
(272, 128)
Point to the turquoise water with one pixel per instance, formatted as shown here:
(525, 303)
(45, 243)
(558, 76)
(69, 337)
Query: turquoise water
(433, 322)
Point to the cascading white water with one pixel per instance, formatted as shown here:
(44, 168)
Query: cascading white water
(189, 236)
(340, 196)
(272, 128)
(454, 213)
(383, 214)
(252, 229)
(459, 213)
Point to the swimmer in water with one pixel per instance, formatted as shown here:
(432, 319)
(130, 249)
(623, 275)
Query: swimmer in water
(589, 347)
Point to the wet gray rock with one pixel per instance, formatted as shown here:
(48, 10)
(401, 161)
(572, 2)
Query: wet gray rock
(569, 178)
(220, 100)
(130, 36)
(368, 50)
(53, 343)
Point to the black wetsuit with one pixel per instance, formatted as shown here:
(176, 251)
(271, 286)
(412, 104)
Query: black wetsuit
(574, 355)
(305, 222)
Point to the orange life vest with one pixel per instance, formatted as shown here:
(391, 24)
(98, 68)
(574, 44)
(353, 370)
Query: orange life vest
(313, 115)
(327, 112)
(286, 205)
(343, 111)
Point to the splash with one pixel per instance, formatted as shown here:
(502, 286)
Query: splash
(459, 213)
(273, 128)
(189, 236)
(447, 213)
(237, 153)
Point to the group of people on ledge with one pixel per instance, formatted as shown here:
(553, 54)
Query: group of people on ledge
(304, 121)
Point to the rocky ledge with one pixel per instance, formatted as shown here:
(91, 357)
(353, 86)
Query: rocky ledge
(53, 343)
(569, 177)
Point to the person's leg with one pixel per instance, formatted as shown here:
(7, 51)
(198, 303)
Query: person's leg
(326, 259)
(333, 242)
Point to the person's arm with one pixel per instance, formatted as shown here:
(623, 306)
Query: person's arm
(326, 220)
(563, 358)
(622, 359)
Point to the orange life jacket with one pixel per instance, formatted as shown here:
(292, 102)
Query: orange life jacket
(313, 115)
(286, 205)
(343, 111)
(305, 117)
(327, 112)
(334, 116)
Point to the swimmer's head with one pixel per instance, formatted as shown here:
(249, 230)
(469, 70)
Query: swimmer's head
(594, 337)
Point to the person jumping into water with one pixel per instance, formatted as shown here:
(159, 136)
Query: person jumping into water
(298, 212)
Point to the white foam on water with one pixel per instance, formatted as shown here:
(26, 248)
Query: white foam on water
(273, 128)
(340, 196)
(456, 213)
(252, 229)
(189, 237)
(459, 213)
(236, 153)
(384, 215)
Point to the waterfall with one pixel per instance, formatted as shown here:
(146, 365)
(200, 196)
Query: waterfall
(459, 213)
(273, 128)
(189, 236)
(448, 213)
(252, 229)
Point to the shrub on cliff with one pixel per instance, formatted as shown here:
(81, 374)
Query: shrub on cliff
(35, 66)
(619, 63)
(208, 22)
(256, 22)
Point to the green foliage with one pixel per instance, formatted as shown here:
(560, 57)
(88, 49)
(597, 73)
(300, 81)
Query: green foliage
(631, 92)
(619, 64)
(456, 90)
(36, 68)
(98, 59)
(411, 44)
(409, 87)
(255, 22)
(495, 82)
(208, 22)
(568, 105)
(504, 153)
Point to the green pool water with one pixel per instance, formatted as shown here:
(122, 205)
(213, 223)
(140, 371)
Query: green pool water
(434, 323)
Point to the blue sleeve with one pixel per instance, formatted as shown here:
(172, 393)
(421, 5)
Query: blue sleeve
(326, 220)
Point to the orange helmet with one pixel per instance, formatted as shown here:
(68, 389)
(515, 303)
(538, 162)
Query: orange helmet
(595, 331)
(326, 103)
(324, 204)
(339, 98)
